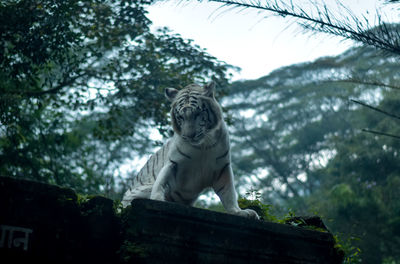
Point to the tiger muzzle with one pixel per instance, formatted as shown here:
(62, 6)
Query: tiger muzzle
(188, 131)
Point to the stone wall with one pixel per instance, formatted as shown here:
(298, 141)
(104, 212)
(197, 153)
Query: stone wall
(50, 224)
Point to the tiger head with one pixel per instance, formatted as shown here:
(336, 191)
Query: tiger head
(195, 114)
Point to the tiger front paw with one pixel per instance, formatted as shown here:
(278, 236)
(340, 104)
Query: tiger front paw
(157, 196)
(248, 213)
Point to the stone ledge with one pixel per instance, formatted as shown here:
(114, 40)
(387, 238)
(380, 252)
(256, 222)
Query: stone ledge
(200, 236)
(57, 228)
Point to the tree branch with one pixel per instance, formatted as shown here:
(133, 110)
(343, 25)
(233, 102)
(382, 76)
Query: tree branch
(54, 90)
(380, 133)
(376, 109)
(67, 81)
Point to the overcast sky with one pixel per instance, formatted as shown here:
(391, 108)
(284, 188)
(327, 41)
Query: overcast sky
(246, 39)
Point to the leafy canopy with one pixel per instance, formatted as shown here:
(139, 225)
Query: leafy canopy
(80, 84)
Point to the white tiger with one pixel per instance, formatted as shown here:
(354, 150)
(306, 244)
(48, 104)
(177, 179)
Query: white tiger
(195, 158)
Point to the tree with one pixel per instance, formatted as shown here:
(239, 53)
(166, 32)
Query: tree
(296, 139)
(282, 122)
(80, 84)
(359, 186)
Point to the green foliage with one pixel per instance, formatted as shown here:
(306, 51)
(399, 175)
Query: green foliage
(81, 82)
(352, 254)
(263, 210)
(360, 186)
(300, 138)
(82, 198)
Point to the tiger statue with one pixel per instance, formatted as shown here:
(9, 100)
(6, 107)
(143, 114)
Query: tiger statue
(196, 157)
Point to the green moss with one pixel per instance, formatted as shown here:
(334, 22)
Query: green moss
(131, 251)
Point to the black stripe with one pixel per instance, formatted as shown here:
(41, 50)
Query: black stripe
(183, 154)
(138, 176)
(220, 189)
(208, 114)
(195, 94)
(147, 166)
(223, 155)
(152, 171)
(175, 167)
(222, 170)
(193, 98)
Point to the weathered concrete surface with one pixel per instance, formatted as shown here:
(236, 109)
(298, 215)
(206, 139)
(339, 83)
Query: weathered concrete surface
(166, 232)
(48, 224)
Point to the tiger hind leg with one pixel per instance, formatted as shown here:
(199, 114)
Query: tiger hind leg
(143, 191)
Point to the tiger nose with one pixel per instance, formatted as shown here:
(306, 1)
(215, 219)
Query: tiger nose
(189, 134)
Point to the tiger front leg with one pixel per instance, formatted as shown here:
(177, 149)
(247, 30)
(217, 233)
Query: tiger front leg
(164, 176)
(225, 190)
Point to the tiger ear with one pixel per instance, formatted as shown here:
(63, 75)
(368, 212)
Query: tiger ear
(209, 89)
(170, 93)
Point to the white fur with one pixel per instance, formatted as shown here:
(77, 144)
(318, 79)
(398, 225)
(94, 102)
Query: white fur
(181, 170)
